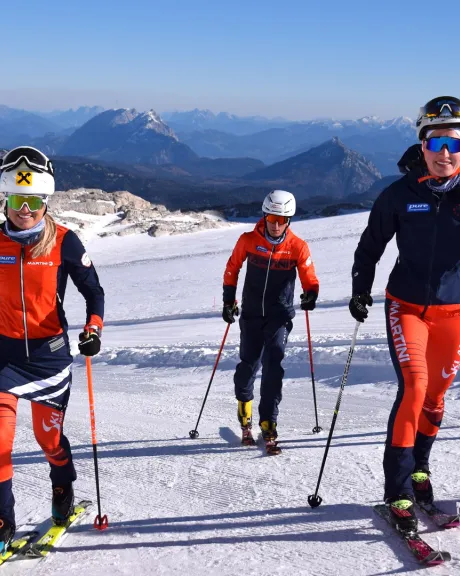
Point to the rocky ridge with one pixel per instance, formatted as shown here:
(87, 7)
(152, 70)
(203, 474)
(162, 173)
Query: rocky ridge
(92, 212)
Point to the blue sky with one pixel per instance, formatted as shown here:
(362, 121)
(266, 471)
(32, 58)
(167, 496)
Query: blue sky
(294, 58)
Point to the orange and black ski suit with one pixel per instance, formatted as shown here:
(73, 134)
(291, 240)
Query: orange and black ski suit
(35, 359)
(267, 309)
(422, 314)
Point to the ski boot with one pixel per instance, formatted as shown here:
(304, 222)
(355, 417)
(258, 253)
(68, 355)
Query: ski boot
(269, 435)
(7, 531)
(423, 490)
(402, 513)
(245, 419)
(62, 504)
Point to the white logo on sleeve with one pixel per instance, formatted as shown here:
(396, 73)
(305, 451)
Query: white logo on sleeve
(308, 262)
(86, 260)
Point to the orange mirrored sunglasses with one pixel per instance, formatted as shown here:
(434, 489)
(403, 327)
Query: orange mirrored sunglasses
(274, 218)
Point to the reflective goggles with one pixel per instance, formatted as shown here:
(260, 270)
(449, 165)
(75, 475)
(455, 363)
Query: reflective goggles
(33, 203)
(442, 107)
(436, 144)
(274, 218)
(34, 159)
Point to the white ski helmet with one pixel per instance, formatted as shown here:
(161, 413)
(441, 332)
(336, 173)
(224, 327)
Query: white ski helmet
(279, 202)
(26, 171)
(441, 112)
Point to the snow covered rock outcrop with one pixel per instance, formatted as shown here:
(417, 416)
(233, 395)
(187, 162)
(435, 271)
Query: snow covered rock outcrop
(91, 212)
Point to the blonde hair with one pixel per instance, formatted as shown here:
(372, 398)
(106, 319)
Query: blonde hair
(47, 238)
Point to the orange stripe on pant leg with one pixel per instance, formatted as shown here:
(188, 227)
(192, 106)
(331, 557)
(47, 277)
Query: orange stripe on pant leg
(443, 359)
(47, 423)
(8, 406)
(410, 337)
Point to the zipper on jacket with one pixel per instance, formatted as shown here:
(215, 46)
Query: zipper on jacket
(266, 281)
(430, 266)
(24, 315)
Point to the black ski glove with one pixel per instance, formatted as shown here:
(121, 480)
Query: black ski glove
(229, 312)
(308, 300)
(358, 305)
(90, 342)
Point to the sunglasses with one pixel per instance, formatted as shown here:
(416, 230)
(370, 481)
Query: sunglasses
(274, 218)
(440, 107)
(33, 203)
(436, 144)
(34, 159)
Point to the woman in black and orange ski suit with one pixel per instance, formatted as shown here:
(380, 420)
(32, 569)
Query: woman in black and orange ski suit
(422, 300)
(36, 258)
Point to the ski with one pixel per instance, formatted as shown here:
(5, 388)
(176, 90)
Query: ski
(46, 543)
(247, 437)
(439, 517)
(17, 545)
(419, 548)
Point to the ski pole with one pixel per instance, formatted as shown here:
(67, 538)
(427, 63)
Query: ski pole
(100, 522)
(194, 433)
(314, 500)
(317, 428)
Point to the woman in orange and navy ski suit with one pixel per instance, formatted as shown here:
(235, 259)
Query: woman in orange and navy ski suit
(423, 299)
(274, 254)
(36, 258)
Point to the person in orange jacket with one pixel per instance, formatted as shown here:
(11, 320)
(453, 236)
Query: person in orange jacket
(273, 253)
(422, 305)
(36, 258)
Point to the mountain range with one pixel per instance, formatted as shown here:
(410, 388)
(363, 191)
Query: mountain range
(382, 141)
(328, 173)
(20, 126)
(190, 121)
(140, 152)
(206, 134)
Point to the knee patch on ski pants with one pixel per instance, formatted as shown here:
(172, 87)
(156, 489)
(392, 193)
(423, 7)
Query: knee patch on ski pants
(47, 423)
(8, 406)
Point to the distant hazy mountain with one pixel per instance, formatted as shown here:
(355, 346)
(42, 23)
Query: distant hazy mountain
(19, 127)
(174, 194)
(381, 141)
(72, 118)
(331, 170)
(7, 113)
(193, 120)
(50, 143)
(378, 187)
(126, 135)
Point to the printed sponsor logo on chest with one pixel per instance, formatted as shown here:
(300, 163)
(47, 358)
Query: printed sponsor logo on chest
(39, 263)
(261, 249)
(7, 259)
(418, 207)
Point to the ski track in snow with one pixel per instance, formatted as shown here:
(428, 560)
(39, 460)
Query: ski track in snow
(210, 505)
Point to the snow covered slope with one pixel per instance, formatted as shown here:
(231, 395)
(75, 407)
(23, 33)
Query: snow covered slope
(210, 506)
